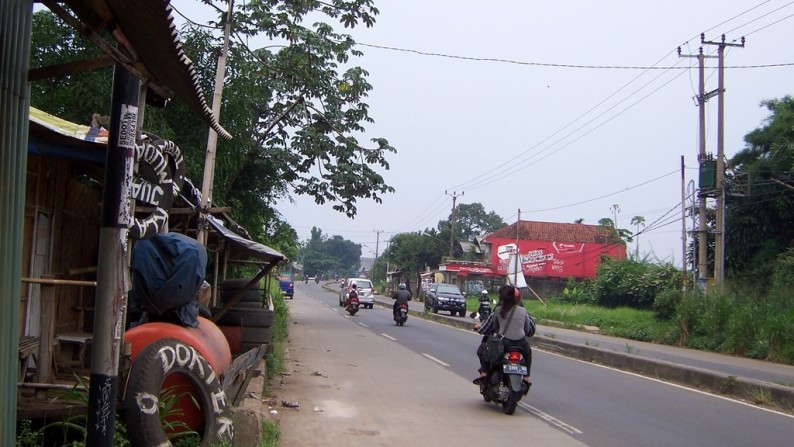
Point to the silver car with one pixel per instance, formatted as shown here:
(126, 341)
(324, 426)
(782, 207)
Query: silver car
(366, 293)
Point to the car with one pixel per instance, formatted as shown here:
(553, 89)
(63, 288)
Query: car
(366, 292)
(287, 286)
(442, 296)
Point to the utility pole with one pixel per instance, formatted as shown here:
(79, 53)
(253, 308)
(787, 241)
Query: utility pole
(377, 242)
(212, 139)
(719, 246)
(452, 220)
(702, 231)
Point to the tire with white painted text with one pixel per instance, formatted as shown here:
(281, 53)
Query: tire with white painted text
(149, 371)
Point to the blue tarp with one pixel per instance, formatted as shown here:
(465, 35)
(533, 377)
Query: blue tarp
(167, 272)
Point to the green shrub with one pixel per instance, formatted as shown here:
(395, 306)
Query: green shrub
(632, 283)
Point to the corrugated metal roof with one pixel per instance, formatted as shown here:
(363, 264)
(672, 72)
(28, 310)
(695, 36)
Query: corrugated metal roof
(552, 231)
(145, 30)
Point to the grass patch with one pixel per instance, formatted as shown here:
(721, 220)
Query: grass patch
(621, 322)
(271, 434)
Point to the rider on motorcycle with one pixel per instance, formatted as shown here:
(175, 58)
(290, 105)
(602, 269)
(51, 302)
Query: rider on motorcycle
(521, 326)
(351, 294)
(400, 296)
(485, 306)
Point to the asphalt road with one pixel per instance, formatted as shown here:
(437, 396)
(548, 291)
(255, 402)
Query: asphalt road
(429, 366)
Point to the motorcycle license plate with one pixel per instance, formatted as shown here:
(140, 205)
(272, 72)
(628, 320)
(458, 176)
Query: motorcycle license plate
(510, 368)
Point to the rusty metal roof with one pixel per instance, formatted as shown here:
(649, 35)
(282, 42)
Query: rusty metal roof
(147, 43)
(551, 231)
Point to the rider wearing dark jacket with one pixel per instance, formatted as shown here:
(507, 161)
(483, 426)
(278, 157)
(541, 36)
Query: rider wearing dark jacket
(517, 329)
(400, 296)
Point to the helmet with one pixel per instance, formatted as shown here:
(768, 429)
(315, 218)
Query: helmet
(402, 286)
(353, 286)
(484, 292)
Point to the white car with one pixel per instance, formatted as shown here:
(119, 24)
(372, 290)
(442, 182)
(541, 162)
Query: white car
(366, 293)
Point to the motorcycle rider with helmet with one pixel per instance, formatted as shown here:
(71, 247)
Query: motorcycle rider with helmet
(351, 294)
(520, 327)
(484, 311)
(400, 296)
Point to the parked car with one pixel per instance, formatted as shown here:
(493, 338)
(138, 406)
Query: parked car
(441, 296)
(366, 292)
(287, 286)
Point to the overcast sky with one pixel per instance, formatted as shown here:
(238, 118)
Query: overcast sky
(563, 110)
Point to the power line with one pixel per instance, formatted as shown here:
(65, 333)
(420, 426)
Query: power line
(553, 65)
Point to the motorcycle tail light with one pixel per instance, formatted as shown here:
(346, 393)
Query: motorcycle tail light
(514, 357)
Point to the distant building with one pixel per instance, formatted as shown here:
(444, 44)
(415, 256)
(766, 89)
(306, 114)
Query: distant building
(548, 253)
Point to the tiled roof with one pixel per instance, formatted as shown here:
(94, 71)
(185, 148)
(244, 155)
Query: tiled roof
(552, 231)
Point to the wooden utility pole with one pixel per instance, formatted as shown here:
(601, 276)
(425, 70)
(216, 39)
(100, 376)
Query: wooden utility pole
(719, 246)
(452, 220)
(702, 231)
(212, 139)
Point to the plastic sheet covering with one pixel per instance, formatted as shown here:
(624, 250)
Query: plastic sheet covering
(167, 274)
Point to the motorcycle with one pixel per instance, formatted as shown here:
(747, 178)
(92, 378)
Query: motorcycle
(317, 279)
(352, 305)
(484, 310)
(401, 314)
(503, 384)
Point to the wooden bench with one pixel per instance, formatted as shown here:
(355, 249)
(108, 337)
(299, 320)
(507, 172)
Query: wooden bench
(28, 347)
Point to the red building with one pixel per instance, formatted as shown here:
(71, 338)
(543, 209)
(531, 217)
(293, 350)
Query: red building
(553, 250)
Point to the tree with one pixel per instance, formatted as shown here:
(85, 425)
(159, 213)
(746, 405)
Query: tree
(324, 255)
(471, 220)
(760, 193)
(292, 108)
(415, 252)
(617, 235)
(637, 221)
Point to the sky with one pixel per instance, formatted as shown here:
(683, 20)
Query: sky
(551, 110)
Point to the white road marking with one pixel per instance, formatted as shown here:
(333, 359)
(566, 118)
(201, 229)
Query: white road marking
(550, 419)
(389, 337)
(436, 360)
(364, 325)
(675, 385)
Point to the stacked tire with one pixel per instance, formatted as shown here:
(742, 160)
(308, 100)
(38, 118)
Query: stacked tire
(248, 324)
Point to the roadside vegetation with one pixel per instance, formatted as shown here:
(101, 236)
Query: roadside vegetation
(641, 300)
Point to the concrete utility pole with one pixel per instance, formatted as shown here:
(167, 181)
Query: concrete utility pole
(702, 231)
(212, 139)
(452, 220)
(719, 246)
(377, 242)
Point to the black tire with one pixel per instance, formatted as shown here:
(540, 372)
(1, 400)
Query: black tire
(435, 309)
(257, 335)
(236, 284)
(245, 347)
(352, 311)
(249, 305)
(249, 296)
(509, 406)
(153, 364)
(247, 317)
(462, 313)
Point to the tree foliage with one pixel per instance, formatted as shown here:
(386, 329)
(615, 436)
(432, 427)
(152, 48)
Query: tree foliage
(323, 255)
(294, 106)
(472, 220)
(760, 197)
